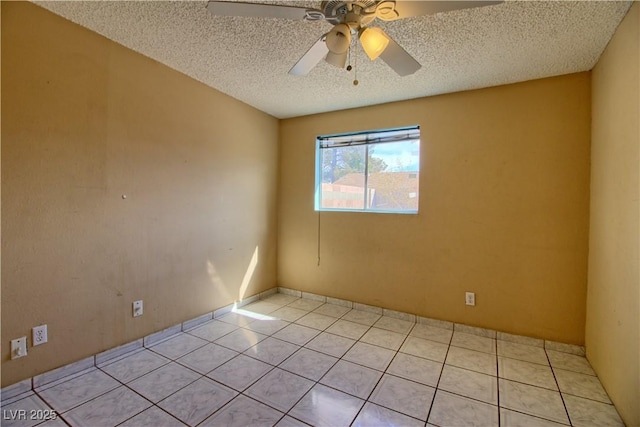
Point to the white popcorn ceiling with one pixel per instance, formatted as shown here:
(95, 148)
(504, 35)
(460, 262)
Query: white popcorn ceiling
(249, 58)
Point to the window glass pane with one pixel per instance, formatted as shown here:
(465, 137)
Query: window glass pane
(393, 176)
(343, 177)
(375, 171)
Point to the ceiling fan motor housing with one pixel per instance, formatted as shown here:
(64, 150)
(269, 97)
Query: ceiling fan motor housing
(349, 12)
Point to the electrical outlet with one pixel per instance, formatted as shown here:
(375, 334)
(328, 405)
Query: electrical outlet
(40, 335)
(470, 298)
(137, 308)
(18, 347)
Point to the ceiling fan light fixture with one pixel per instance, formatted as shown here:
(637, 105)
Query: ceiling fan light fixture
(339, 39)
(374, 41)
(337, 59)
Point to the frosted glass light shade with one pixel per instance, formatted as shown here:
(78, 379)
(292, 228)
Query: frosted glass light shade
(374, 42)
(339, 39)
(337, 59)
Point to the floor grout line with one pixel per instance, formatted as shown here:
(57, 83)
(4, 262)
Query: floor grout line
(276, 364)
(498, 385)
(440, 377)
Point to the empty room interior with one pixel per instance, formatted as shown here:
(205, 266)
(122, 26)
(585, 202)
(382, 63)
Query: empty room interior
(196, 232)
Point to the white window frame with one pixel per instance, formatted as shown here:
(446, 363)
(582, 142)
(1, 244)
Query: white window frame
(366, 139)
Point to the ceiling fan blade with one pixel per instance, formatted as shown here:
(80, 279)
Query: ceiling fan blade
(408, 8)
(398, 59)
(310, 59)
(228, 8)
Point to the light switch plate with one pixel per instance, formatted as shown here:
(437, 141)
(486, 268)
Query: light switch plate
(18, 347)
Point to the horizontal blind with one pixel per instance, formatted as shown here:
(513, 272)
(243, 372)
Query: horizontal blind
(364, 138)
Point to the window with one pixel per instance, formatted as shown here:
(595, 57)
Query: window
(376, 171)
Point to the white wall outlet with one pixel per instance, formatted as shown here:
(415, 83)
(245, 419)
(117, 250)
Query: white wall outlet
(137, 308)
(40, 335)
(470, 298)
(18, 347)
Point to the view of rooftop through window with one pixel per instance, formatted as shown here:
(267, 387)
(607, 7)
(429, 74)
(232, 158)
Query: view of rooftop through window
(375, 171)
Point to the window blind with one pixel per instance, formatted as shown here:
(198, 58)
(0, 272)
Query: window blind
(365, 138)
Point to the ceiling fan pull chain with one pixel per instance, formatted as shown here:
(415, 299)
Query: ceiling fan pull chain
(355, 64)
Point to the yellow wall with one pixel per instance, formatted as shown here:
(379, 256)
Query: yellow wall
(613, 298)
(86, 121)
(504, 201)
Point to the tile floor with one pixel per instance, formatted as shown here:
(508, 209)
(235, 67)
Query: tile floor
(287, 361)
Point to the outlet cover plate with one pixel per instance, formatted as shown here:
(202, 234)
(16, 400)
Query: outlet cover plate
(137, 308)
(40, 335)
(470, 298)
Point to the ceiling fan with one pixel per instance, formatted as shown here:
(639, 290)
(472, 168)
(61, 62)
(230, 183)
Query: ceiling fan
(350, 18)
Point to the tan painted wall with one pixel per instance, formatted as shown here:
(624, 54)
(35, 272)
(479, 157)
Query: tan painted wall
(613, 298)
(504, 200)
(84, 121)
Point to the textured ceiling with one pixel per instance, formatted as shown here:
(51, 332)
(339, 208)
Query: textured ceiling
(249, 58)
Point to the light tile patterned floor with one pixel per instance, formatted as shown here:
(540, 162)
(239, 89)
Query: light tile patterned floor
(288, 361)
